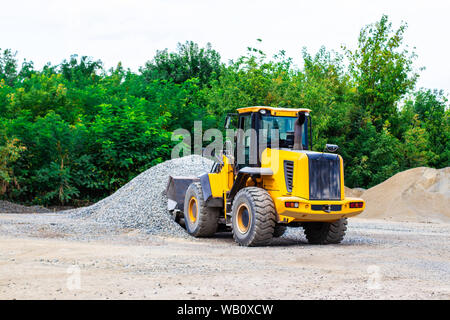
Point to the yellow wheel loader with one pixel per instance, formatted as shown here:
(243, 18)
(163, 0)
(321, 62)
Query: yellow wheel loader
(268, 182)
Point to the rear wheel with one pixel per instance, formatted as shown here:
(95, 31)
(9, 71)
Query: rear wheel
(200, 220)
(253, 217)
(279, 230)
(325, 232)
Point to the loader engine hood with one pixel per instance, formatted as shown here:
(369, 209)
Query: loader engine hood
(306, 174)
(324, 176)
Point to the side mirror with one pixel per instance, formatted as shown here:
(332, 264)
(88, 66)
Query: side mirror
(301, 118)
(229, 119)
(332, 148)
(227, 122)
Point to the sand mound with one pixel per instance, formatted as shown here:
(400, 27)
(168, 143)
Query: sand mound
(417, 195)
(356, 192)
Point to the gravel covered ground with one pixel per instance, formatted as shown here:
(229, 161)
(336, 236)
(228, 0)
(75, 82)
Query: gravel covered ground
(377, 260)
(141, 202)
(127, 246)
(9, 207)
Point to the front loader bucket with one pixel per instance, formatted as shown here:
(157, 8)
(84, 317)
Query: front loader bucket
(176, 190)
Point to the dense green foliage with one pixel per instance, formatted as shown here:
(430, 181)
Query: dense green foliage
(75, 131)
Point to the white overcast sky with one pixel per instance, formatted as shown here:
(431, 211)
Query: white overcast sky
(132, 30)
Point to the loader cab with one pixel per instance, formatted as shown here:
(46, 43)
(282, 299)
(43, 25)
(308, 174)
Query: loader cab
(266, 127)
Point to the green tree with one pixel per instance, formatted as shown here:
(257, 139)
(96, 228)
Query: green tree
(8, 66)
(85, 131)
(426, 127)
(190, 61)
(382, 70)
(9, 153)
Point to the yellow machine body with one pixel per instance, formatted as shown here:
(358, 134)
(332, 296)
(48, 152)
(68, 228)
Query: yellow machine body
(276, 186)
(222, 182)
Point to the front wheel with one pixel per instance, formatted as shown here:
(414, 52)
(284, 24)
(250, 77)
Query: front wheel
(253, 217)
(200, 220)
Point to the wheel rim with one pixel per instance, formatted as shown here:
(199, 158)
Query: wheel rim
(193, 209)
(244, 218)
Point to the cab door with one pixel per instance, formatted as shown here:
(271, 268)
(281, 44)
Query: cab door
(246, 142)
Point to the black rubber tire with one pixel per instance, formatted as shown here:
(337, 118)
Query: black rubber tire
(325, 232)
(207, 218)
(262, 217)
(279, 230)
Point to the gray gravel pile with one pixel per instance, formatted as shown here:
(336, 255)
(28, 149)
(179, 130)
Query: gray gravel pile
(9, 207)
(141, 203)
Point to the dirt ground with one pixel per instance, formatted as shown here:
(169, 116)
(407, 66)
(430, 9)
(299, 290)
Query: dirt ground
(377, 260)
